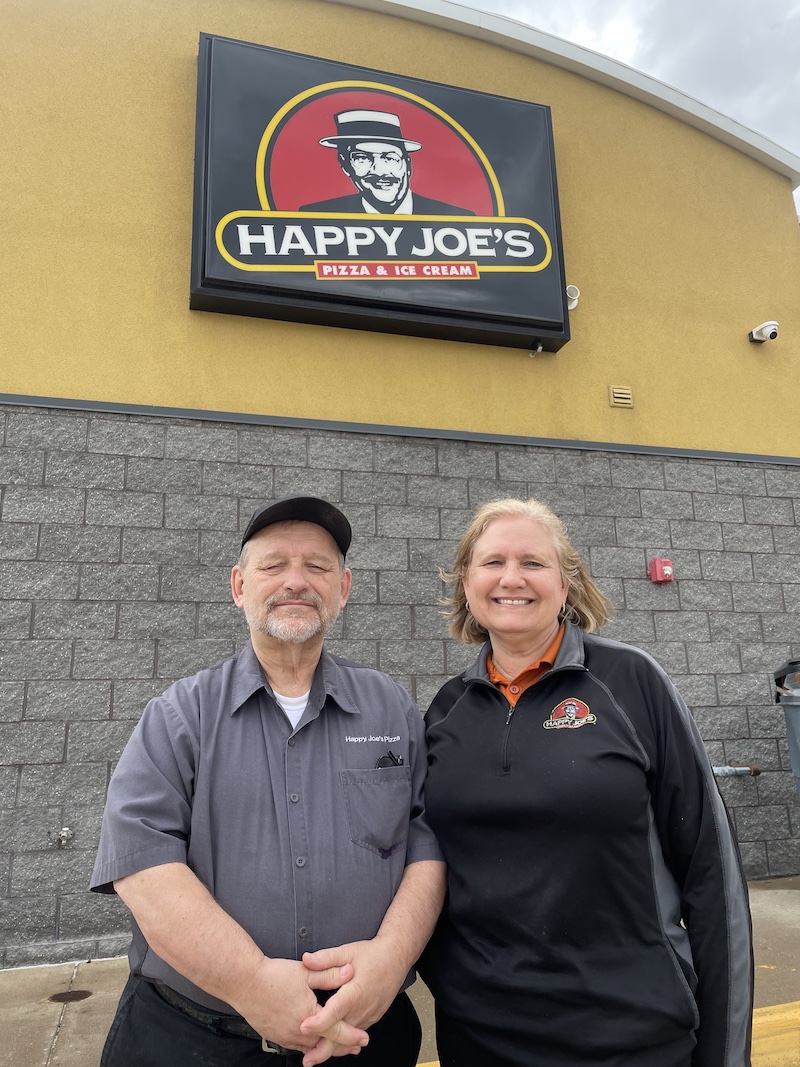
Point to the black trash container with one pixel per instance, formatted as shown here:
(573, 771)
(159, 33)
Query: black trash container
(787, 682)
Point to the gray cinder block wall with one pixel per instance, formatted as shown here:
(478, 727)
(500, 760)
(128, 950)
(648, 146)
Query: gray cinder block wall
(117, 534)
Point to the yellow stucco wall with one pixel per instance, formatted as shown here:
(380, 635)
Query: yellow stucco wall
(678, 243)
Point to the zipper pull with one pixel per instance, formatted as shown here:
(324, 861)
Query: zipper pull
(510, 713)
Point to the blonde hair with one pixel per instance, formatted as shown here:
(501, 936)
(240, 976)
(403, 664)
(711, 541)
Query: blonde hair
(586, 606)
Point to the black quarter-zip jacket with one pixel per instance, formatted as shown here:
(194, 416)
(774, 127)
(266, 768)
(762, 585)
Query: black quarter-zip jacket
(596, 899)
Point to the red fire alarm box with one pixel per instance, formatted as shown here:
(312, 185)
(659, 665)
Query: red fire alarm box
(660, 570)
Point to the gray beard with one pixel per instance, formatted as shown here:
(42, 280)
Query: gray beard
(294, 630)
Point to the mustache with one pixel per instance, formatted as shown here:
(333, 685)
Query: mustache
(307, 598)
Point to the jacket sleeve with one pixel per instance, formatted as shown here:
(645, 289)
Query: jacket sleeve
(701, 852)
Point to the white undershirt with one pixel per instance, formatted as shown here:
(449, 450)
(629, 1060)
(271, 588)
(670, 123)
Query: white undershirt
(293, 707)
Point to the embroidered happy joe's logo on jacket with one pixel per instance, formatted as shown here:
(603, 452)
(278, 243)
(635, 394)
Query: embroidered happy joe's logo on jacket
(569, 715)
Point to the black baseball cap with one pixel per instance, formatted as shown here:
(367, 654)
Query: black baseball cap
(302, 509)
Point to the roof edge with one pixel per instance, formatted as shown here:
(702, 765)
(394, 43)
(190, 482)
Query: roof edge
(517, 37)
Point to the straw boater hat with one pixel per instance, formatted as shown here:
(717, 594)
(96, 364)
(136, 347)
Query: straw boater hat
(358, 127)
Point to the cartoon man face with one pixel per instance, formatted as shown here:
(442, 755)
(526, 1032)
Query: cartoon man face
(380, 171)
(571, 710)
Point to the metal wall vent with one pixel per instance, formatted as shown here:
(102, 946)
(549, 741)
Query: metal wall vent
(620, 396)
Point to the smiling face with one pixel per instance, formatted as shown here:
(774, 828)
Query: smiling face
(514, 583)
(379, 170)
(291, 584)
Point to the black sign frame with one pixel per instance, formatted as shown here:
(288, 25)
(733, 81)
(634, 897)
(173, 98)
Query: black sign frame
(521, 305)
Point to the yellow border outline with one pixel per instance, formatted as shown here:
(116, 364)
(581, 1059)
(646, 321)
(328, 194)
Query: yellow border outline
(287, 268)
(319, 90)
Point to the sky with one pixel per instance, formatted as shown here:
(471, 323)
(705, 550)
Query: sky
(740, 57)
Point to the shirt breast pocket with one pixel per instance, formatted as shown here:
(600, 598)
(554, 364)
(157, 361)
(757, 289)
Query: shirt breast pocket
(378, 804)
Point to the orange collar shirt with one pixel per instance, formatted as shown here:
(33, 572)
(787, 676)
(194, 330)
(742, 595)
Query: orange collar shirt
(513, 688)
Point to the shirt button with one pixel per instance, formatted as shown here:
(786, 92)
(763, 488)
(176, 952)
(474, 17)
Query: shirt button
(300, 861)
(513, 689)
(294, 797)
(303, 931)
(291, 742)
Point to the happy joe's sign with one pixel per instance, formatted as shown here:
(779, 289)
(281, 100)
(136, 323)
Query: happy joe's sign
(333, 194)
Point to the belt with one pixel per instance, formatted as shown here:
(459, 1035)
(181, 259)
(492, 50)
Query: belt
(232, 1025)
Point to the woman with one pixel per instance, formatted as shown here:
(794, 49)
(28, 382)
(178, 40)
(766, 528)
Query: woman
(597, 912)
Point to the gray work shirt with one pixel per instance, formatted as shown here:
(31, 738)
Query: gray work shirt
(296, 833)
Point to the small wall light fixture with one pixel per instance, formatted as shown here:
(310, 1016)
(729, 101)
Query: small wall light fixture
(660, 571)
(573, 295)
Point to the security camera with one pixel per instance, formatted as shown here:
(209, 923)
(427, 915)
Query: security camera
(767, 331)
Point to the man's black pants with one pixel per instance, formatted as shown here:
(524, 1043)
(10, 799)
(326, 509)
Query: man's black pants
(149, 1032)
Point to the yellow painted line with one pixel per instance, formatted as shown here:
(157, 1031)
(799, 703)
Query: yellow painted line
(776, 1035)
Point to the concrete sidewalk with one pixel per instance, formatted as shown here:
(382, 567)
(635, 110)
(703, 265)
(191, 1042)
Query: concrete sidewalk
(58, 1016)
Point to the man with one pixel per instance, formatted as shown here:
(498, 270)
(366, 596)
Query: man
(266, 808)
(376, 157)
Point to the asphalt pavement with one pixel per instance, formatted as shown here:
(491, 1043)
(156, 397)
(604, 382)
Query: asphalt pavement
(58, 1016)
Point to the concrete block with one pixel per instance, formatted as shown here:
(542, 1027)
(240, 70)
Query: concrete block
(119, 581)
(681, 626)
(617, 562)
(670, 654)
(12, 701)
(33, 918)
(426, 688)
(20, 466)
(80, 543)
(311, 482)
(222, 620)
(719, 724)
(669, 504)
(687, 534)
(430, 554)
(690, 475)
(64, 783)
(716, 753)
(754, 859)
(778, 568)
(272, 448)
(126, 438)
(454, 521)
(772, 511)
(93, 741)
(783, 857)
(633, 473)
(619, 503)
(131, 697)
(717, 507)
(9, 782)
(363, 652)
(405, 455)
(86, 915)
(365, 587)
(47, 953)
(21, 660)
(407, 521)
(524, 464)
(582, 468)
(713, 657)
(179, 659)
(786, 538)
(642, 595)
(698, 690)
(65, 700)
(196, 583)
(791, 598)
(757, 596)
(763, 751)
(238, 479)
(163, 475)
(762, 823)
(784, 481)
(592, 530)
(157, 620)
(777, 787)
(738, 478)
(201, 442)
(84, 470)
(31, 742)
(18, 540)
(647, 533)
(482, 490)
(396, 587)
(738, 792)
(766, 720)
(632, 627)
(727, 566)
(29, 829)
(458, 657)
(382, 488)
(412, 657)
(705, 596)
(220, 547)
(201, 512)
(743, 689)
(35, 504)
(38, 579)
(747, 538)
(40, 429)
(58, 869)
(380, 553)
(353, 453)
(759, 658)
(114, 508)
(113, 659)
(161, 546)
(734, 626)
(368, 622)
(467, 459)
(565, 500)
(428, 622)
(66, 619)
(15, 619)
